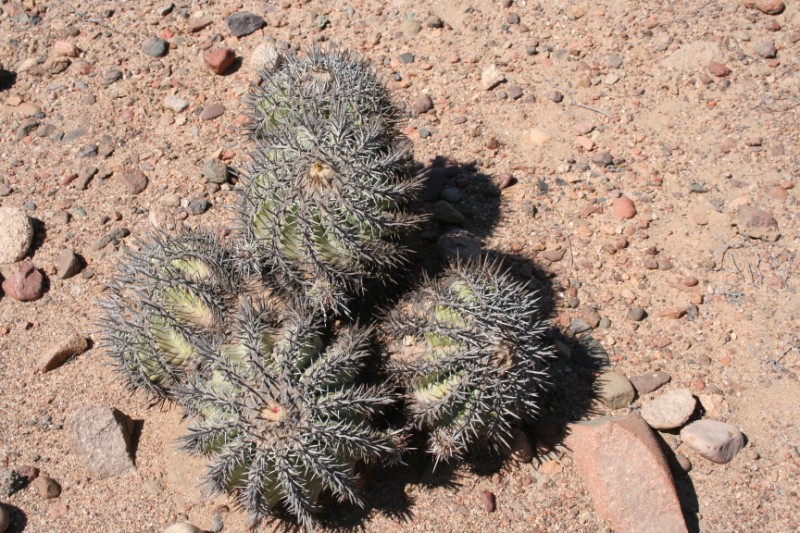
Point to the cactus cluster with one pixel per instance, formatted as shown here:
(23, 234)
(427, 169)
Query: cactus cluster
(468, 347)
(165, 307)
(282, 409)
(324, 202)
(275, 380)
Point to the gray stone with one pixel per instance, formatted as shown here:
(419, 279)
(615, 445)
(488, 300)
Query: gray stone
(514, 92)
(422, 104)
(115, 236)
(637, 313)
(243, 23)
(266, 58)
(577, 326)
(16, 234)
(155, 47)
(614, 390)
(614, 61)
(458, 243)
(766, 50)
(716, 441)
(85, 175)
(609, 454)
(670, 410)
(101, 437)
(68, 264)
(174, 103)
(26, 126)
(444, 212)
(407, 57)
(649, 382)
(59, 354)
(112, 75)
(215, 171)
(74, 134)
(198, 206)
(410, 27)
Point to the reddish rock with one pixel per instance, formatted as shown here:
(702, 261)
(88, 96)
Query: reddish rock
(505, 180)
(718, 69)
(28, 472)
(649, 382)
(198, 23)
(623, 207)
(585, 142)
(756, 223)
(25, 283)
(47, 487)
(609, 454)
(219, 60)
(554, 255)
(488, 501)
(768, 7)
(66, 49)
(212, 111)
(134, 180)
(61, 352)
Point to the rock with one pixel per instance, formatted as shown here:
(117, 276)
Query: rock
(613, 390)
(756, 223)
(554, 255)
(716, 441)
(28, 472)
(212, 111)
(243, 23)
(491, 77)
(670, 410)
(683, 462)
(198, 23)
(766, 50)
(182, 527)
(604, 159)
(47, 487)
(219, 60)
(64, 48)
(718, 69)
(444, 212)
(577, 326)
(407, 58)
(488, 501)
(24, 283)
(10, 482)
(59, 354)
(637, 314)
(26, 127)
(768, 7)
(608, 454)
(155, 47)
(5, 519)
(458, 243)
(623, 207)
(215, 171)
(590, 316)
(713, 404)
(198, 206)
(134, 180)
(423, 104)
(410, 27)
(265, 58)
(101, 436)
(554, 96)
(647, 383)
(56, 65)
(174, 103)
(521, 449)
(539, 137)
(16, 234)
(115, 235)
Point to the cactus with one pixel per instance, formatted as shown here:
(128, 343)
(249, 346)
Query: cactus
(283, 413)
(165, 307)
(469, 348)
(323, 203)
(329, 77)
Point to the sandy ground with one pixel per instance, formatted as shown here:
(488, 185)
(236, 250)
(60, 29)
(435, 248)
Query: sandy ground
(600, 100)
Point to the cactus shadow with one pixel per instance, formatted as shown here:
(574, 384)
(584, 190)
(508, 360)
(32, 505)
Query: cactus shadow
(18, 520)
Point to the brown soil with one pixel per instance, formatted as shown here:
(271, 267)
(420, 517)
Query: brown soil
(686, 146)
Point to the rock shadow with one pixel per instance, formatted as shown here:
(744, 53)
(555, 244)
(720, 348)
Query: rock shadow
(687, 496)
(18, 520)
(7, 79)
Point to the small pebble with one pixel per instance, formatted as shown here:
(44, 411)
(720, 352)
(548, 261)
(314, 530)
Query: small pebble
(766, 50)
(670, 410)
(488, 501)
(265, 57)
(243, 23)
(68, 264)
(198, 206)
(637, 313)
(174, 103)
(16, 234)
(554, 96)
(614, 390)
(623, 207)
(46, 487)
(718, 69)
(422, 104)
(212, 111)
(714, 440)
(155, 47)
(24, 283)
(219, 60)
(215, 171)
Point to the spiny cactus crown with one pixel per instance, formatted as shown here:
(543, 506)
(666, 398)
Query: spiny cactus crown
(323, 202)
(284, 414)
(317, 81)
(165, 306)
(468, 346)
